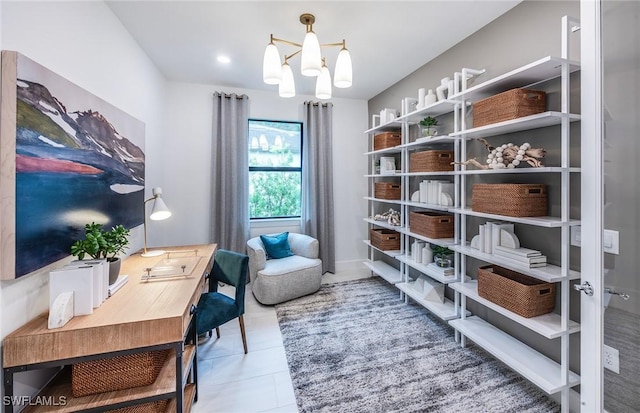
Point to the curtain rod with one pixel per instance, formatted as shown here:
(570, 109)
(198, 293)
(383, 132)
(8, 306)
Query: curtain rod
(230, 95)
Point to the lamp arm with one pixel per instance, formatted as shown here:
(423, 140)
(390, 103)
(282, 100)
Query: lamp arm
(144, 222)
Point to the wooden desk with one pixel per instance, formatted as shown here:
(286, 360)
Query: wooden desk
(141, 316)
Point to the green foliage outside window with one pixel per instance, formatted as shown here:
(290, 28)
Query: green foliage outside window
(274, 193)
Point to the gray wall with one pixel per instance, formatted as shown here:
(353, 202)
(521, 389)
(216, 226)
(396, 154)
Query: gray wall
(528, 32)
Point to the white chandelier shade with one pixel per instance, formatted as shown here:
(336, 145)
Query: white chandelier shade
(323, 83)
(312, 63)
(343, 75)
(271, 65)
(311, 58)
(287, 87)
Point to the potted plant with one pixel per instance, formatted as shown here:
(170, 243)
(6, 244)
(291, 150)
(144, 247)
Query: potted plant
(428, 123)
(101, 244)
(441, 255)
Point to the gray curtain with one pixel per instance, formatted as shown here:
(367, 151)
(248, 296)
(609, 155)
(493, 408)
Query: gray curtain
(230, 172)
(317, 178)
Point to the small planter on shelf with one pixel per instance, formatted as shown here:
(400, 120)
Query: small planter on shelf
(428, 125)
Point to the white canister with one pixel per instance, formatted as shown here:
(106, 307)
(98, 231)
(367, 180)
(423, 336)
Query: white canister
(427, 254)
(431, 98)
(421, 98)
(416, 250)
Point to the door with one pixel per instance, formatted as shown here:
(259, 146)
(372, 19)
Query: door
(610, 318)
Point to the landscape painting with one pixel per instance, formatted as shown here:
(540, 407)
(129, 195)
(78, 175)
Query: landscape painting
(68, 159)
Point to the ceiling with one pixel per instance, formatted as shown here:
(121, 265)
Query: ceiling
(387, 40)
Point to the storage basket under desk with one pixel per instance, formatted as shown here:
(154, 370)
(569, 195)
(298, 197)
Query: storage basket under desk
(117, 373)
(519, 293)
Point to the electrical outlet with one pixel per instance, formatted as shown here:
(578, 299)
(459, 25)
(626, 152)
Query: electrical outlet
(611, 359)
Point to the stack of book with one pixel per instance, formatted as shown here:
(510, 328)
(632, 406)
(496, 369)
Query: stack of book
(520, 256)
(443, 271)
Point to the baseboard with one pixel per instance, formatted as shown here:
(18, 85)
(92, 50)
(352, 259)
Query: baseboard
(351, 266)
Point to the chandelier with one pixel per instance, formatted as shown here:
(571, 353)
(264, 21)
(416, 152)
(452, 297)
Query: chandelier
(274, 72)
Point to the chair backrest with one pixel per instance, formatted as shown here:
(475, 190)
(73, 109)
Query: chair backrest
(230, 268)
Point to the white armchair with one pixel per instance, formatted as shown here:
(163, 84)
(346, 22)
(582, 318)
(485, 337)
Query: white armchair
(277, 280)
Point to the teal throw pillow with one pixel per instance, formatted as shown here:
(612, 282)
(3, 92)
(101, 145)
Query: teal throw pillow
(276, 246)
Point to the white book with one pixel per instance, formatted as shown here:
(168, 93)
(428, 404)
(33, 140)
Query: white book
(487, 237)
(508, 260)
(522, 252)
(536, 259)
(76, 279)
(423, 192)
(120, 282)
(445, 187)
(101, 272)
(481, 229)
(96, 274)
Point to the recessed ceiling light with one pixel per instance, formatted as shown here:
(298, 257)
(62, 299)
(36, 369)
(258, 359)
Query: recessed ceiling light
(224, 59)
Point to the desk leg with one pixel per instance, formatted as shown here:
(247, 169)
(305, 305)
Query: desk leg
(179, 386)
(7, 401)
(194, 337)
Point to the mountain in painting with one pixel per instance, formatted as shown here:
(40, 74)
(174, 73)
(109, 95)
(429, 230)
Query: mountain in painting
(48, 133)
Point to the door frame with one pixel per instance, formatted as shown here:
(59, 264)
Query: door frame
(592, 201)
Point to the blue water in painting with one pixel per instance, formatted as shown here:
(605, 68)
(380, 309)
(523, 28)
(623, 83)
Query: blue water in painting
(51, 210)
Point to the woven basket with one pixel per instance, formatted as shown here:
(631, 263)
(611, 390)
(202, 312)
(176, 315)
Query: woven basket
(431, 161)
(386, 140)
(523, 295)
(431, 224)
(387, 190)
(117, 373)
(513, 200)
(384, 239)
(159, 406)
(512, 104)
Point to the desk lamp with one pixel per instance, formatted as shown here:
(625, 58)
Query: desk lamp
(159, 212)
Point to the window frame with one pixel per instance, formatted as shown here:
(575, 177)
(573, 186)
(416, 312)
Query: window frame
(279, 168)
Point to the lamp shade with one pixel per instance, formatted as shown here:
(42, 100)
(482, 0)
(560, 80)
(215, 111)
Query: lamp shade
(311, 64)
(287, 87)
(323, 84)
(159, 210)
(343, 75)
(271, 65)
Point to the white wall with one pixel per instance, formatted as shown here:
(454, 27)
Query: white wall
(85, 43)
(186, 181)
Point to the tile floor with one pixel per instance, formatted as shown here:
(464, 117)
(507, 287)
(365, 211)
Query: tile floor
(230, 381)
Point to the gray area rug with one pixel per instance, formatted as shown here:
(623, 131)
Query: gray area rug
(356, 347)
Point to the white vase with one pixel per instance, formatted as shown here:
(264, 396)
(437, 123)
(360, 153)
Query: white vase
(427, 254)
(416, 250)
(431, 98)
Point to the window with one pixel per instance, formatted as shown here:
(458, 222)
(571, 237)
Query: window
(275, 169)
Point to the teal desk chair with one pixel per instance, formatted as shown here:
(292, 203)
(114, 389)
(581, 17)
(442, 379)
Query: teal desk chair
(214, 308)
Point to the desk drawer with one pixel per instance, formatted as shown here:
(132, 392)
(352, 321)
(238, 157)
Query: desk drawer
(193, 303)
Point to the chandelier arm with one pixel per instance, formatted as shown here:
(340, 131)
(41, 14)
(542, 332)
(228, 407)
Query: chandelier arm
(331, 44)
(291, 55)
(275, 39)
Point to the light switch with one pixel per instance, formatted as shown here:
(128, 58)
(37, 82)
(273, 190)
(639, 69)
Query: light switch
(611, 242)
